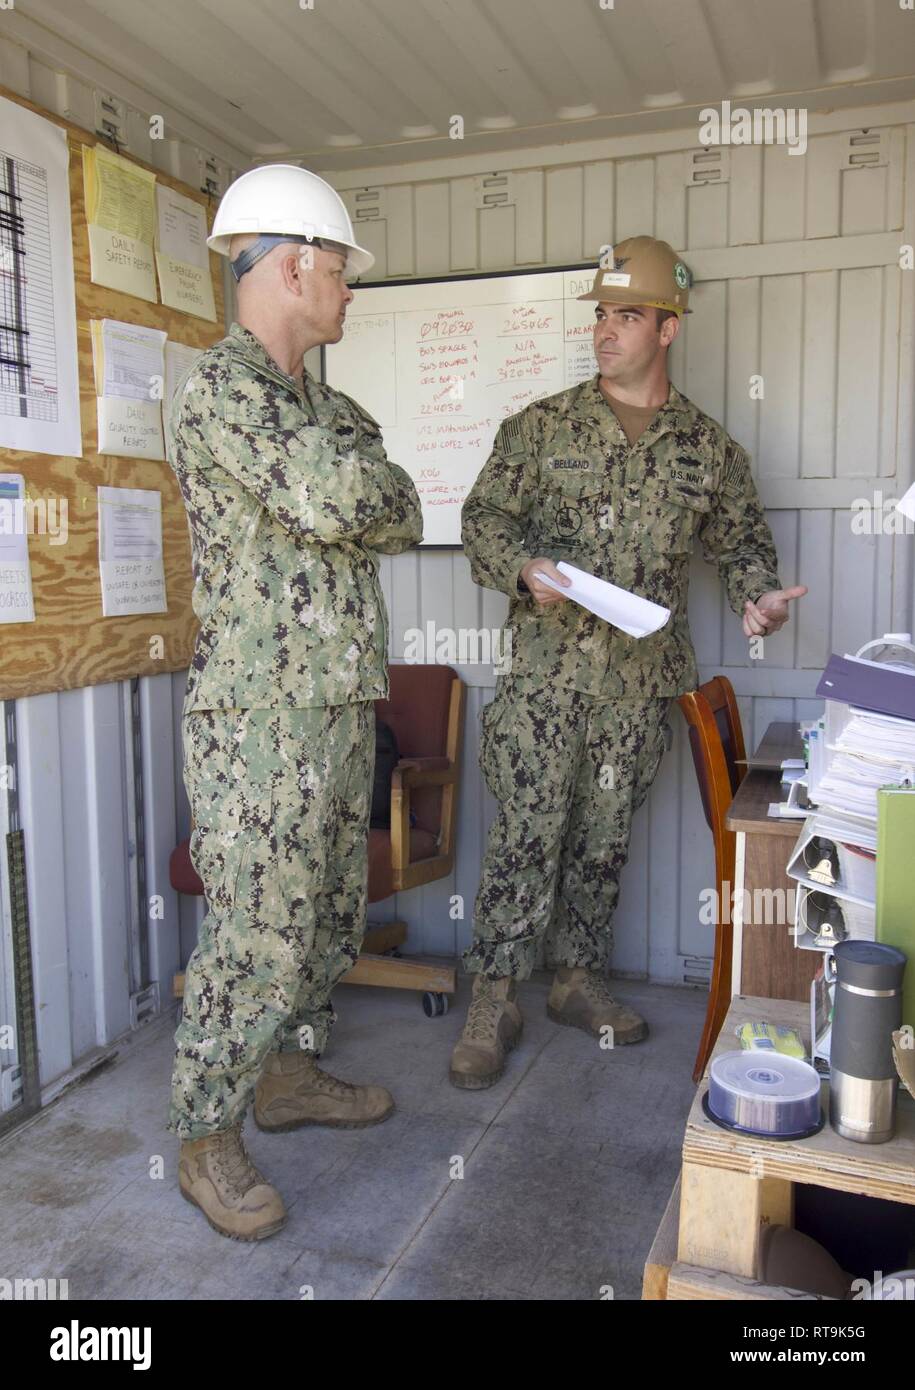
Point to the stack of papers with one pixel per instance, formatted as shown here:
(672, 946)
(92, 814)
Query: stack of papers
(869, 740)
(128, 359)
(852, 783)
(631, 614)
(882, 737)
(129, 364)
(863, 744)
(846, 829)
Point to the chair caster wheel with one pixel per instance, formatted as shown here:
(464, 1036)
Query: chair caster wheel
(434, 1005)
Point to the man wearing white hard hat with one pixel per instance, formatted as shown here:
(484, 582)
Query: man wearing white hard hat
(290, 495)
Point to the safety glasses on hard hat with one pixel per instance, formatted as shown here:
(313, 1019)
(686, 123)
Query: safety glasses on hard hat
(253, 253)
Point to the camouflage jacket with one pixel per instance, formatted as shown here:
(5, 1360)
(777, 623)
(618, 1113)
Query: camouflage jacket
(288, 496)
(562, 482)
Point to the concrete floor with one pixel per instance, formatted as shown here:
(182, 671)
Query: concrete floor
(568, 1164)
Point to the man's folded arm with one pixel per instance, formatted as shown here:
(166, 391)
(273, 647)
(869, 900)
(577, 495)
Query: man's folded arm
(403, 526)
(311, 480)
(493, 517)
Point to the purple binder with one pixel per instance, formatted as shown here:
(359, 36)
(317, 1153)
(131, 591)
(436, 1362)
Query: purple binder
(869, 685)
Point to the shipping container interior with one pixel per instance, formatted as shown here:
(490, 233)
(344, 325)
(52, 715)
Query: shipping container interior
(466, 138)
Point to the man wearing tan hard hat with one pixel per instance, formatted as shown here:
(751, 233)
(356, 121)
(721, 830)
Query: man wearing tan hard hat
(623, 477)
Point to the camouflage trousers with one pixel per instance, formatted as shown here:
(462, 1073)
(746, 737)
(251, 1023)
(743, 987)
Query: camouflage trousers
(568, 773)
(280, 801)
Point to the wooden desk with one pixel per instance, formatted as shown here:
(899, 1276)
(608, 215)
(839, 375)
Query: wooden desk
(781, 740)
(765, 960)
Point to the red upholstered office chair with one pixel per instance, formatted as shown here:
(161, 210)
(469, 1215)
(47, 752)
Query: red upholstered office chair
(426, 711)
(716, 741)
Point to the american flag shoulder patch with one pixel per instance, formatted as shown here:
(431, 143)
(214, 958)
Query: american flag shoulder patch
(735, 470)
(511, 434)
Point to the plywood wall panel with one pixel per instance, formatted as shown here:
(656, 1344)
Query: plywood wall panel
(70, 645)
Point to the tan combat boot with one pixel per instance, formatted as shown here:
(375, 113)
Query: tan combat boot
(216, 1174)
(492, 1029)
(582, 999)
(294, 1091)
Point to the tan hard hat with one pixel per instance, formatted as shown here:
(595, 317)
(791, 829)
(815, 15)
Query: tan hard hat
(645, 271)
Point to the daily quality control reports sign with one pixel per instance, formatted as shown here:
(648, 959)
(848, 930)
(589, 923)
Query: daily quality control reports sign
(441, 363)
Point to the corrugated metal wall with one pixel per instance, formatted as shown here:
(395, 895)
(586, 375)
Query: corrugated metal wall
(800, 264)
(799, 260)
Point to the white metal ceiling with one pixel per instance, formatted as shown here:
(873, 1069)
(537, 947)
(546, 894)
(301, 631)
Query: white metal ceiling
(367, 82)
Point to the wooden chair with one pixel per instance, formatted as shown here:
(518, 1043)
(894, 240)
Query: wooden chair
(716, 741)
(425, 709)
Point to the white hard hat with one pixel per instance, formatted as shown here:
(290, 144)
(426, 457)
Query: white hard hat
(284, 200)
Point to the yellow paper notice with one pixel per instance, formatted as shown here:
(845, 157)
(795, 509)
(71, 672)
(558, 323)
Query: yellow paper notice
(122, 196)
(121, 212)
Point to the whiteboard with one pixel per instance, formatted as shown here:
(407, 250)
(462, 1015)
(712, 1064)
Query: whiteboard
(441, 363)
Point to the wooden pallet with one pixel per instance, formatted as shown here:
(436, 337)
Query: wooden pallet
(732, 1185)
(663, 1252)
(688, 1283)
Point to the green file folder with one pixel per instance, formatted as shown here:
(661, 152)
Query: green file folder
(896, 882)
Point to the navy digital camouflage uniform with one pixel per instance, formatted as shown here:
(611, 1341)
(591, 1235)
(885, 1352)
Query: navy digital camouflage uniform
(575, 735)
(289, 495)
